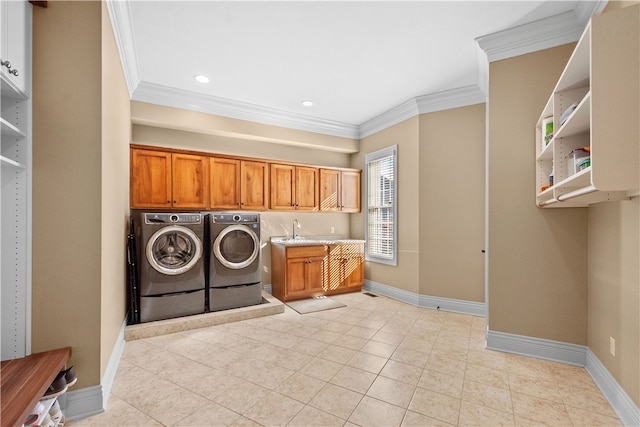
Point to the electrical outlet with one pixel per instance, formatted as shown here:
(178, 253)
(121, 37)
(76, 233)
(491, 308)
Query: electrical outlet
(612, 346)
(333, 230)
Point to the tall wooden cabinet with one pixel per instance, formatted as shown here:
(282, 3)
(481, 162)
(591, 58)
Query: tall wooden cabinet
(592, 153)
(15, 163)
(160, 179)
(294, 187)
(339, 190)
(238, 184)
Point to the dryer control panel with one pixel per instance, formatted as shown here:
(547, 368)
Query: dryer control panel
(236, 218)
(173, 218)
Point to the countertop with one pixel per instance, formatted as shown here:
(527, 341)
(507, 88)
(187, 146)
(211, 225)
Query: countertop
(313, 240)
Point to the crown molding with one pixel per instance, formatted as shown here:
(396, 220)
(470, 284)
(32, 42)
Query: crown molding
(123, 33)
(444, 100)
(177, 98)
(537, 35)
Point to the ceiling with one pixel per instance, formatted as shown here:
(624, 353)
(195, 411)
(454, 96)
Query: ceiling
(355, 60)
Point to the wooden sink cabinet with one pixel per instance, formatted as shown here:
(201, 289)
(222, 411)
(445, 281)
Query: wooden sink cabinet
(305, 271)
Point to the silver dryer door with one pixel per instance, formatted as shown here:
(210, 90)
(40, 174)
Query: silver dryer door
(236, 247)
(173, 250)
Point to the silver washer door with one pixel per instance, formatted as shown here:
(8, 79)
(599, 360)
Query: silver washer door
(236, 247)
(173, 250)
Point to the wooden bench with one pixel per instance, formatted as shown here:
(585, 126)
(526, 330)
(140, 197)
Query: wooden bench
(24, 381)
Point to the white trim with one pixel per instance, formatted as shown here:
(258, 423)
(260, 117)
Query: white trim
(537, 35)
(455, 305)
(123, 33)
(109, 375)
(444, 100)
(171, 97)
(540, 348)
(93, 400)
(82, 403)
(426, 301)
(619, 400)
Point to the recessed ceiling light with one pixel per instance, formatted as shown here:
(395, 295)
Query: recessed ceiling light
(307, 103)
(201, 78)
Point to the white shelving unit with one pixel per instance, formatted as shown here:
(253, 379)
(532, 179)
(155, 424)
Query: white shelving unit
(595, 106)
(15, 165)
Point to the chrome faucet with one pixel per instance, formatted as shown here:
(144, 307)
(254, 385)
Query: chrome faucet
(296, 225)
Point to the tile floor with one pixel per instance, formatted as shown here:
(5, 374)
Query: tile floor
(376, 362)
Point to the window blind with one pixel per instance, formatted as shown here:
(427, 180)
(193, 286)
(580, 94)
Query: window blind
(381, 205)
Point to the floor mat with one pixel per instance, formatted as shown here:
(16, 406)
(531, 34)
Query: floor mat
(313, 305)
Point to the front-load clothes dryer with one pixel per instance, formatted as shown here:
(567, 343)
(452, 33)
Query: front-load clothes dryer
(235, 277)
(171, 259)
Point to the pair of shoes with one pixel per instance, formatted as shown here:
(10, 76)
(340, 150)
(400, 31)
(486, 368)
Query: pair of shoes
(65, 378)
(57, 387)
(56, 414)
(70, 376)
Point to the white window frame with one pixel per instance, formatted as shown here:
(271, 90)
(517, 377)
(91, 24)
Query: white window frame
(392, 257)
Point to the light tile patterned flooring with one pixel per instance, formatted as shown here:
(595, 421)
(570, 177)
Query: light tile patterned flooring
(376, 362)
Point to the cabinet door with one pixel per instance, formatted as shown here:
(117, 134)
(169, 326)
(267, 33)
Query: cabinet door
(189, 181)
(315, 267)
(14, 24)
(150, 179)
(224, 183)
(254, 185)
(329, 189)
(282, 187)
(306, 188)
(296, 286)
(350, 191)
(353, 271)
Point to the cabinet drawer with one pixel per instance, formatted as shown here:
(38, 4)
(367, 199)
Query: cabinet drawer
(306, 251)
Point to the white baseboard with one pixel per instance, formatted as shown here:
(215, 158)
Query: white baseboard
(537, 347)
(620, 401)
(426, 301)
(572, 354)
(93, 400)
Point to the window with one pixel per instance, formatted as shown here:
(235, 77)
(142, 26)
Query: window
(382, 228)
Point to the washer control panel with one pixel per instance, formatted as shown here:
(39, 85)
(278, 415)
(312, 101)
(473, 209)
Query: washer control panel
(173, 218)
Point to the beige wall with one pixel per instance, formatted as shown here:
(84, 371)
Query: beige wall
(67, 193)
(452, 176)
(614, 283)
(406, 135)
(116, 135)
(81, 134)
(537, 257)
(234, 129)
(614, 290)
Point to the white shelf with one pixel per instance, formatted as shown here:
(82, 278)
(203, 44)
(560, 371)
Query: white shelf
(11, 163)
(599, 88)
(9, 129)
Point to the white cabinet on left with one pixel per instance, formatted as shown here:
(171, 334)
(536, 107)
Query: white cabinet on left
(15, 38)
(15, 163)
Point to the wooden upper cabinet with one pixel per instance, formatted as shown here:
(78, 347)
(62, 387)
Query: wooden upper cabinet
(350, 191)
(150, 179)
(160, 179)
(294, 187)
(339, 190)
(238, 184)
(254, 185)
(189, 181)
(224, 183)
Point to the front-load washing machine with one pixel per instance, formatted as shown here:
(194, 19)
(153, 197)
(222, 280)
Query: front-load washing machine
(172, 273)
(235, 275)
